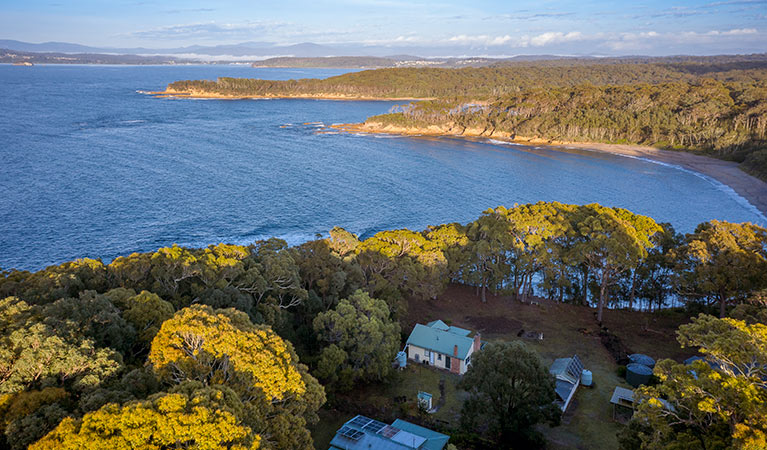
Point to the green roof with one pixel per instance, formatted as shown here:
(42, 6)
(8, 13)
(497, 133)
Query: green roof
(441, 339)
(434, 440)
(440, 325)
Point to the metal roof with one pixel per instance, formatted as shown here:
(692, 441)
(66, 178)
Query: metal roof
(567, 369)
(623, 397)
(433, 439)
(364, 433)
(442, 340)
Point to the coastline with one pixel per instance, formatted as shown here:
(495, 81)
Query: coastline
(170, 93)
(727, 173)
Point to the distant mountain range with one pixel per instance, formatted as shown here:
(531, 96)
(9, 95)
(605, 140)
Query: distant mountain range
(245, 49)
(262, 50)
(307, 54)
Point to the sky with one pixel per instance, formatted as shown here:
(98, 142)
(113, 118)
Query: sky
(442, 27)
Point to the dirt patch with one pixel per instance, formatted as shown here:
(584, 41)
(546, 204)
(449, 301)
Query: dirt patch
(493, 324)
(616, 347)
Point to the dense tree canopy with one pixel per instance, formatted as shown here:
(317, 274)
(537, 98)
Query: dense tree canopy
(510, 390)
(86, 343)
(203, 420)
(724, 262)
(361, 341)
(719, 402)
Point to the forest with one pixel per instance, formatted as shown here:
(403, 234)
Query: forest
(240, 346)
(713, 105)
(723, 119)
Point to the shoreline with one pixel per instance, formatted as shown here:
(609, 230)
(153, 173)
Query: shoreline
(752, 189)
(206, 95)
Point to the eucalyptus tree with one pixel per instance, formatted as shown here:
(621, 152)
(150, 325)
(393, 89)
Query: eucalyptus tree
(610, 242)
(723, 261)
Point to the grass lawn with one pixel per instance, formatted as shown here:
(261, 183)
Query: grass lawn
(330, 422)
(567, 330)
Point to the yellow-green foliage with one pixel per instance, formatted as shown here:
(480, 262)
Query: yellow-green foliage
(223, 346)
(198, 421)
(15, 406)
(723, 404)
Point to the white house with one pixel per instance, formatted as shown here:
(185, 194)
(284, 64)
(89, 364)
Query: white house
(442, 346)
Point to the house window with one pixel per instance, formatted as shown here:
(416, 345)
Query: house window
(447, 362)
(439, 356)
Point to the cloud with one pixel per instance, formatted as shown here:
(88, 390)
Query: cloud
(529, 17)
(555, 37)
(735, 2)
(651, 39)
(211, 30)
(482, 39)
(192, 10)
(734, 32)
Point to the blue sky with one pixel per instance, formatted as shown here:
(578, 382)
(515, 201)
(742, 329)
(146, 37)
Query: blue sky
(450, 27)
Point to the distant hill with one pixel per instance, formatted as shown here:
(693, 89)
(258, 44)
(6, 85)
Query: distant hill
(13, 56)
(340, 62)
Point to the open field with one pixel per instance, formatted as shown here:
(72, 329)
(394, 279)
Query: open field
(567, 330)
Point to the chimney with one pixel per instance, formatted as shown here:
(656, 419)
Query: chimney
(477, 341)
(455, 351)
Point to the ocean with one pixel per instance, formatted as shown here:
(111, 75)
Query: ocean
(92, 167)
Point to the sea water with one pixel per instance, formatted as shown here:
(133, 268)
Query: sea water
(92, 167)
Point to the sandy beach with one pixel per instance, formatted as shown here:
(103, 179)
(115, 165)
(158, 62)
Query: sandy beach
(728, 173)
(171, 93)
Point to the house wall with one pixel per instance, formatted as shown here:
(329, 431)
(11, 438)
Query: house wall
(413, 350)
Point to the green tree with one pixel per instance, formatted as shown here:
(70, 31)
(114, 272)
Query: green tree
(488, 242)
(146, 312)
(717, 403)
(510, 390)
(33, 355)
(205, 419)
(223, 347)
(723, 261)
(405, 259)
(361, 340)
(93, 316)
(610, 242)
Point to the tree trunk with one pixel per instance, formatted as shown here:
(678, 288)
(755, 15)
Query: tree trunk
(633, 289)
(722, 306)
(586, 286)
(602, 295)
(484, 290)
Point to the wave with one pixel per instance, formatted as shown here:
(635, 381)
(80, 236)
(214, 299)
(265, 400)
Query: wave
(497, 142)
(716, 183)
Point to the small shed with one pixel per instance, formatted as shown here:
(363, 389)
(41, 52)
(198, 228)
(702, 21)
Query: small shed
(424, 400)
(623, 403)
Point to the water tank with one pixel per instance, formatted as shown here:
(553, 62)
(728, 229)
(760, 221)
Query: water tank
(586, 377)
(638, 358)
(401, 360)
(637, 374)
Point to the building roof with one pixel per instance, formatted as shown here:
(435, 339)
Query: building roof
(625, 397)
(434, 440)
(364, 433)
(567, 372)
(567, 369)
(622, 397)
(440, 325)
(439, 337)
